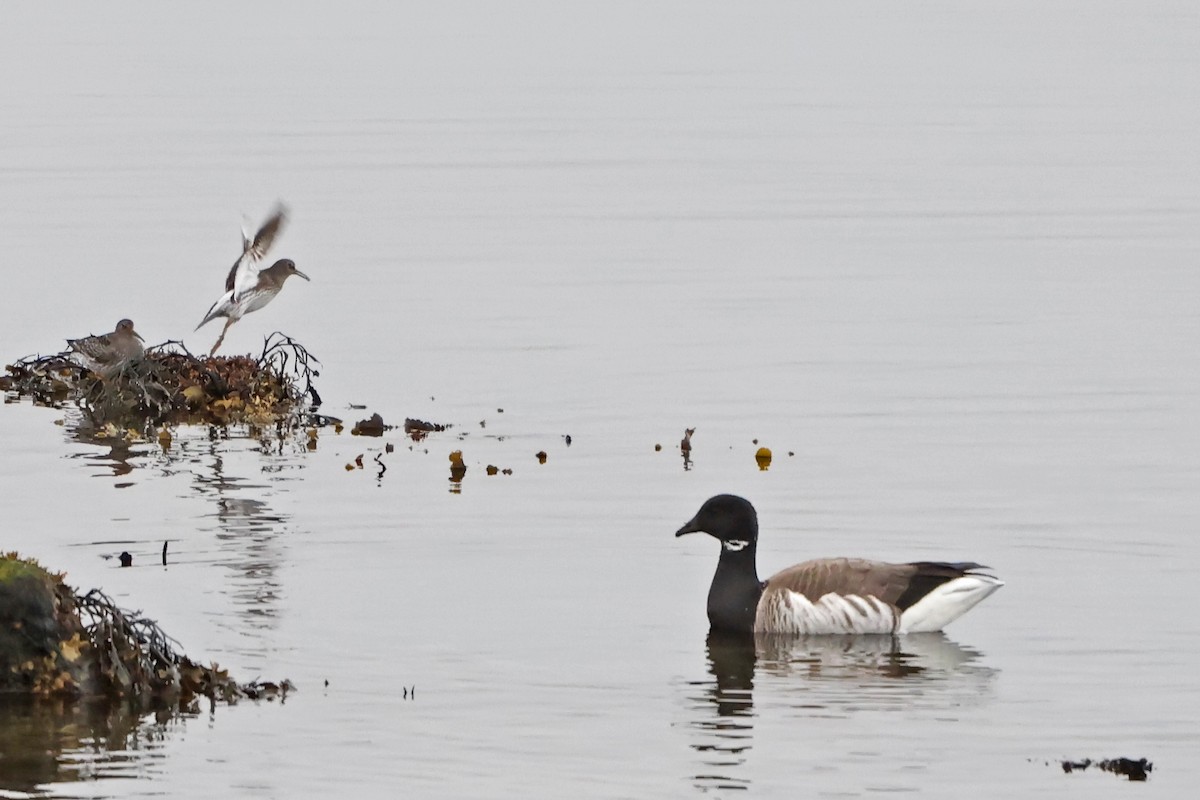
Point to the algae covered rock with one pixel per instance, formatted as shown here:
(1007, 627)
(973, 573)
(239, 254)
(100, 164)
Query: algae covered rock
(44, 647)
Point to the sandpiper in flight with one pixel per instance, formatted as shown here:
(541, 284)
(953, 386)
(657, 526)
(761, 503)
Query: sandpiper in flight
(109, 353)
(249, 287)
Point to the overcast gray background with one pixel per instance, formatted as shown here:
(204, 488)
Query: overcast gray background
(944, 253)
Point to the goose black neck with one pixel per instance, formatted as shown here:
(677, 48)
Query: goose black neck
(733, 596)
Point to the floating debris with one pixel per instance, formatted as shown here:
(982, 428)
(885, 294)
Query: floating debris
(369, 427)
(1134, 769)
(126, 559)
(458, 469)
(417, 429)
(763, 457)
(685, 448)
(541, 456)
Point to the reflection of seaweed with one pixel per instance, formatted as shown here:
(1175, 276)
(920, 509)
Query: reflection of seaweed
(52, 741)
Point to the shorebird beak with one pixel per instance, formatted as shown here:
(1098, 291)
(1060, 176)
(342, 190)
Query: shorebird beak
(135, 333)
(690, 527)
(300, 274)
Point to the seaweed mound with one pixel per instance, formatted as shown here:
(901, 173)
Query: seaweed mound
(168, 384)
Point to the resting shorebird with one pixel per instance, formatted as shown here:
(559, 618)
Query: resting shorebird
(828, 595)
(249, 287)
(107, 354)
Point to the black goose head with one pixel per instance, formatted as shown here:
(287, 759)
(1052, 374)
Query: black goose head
(735, 590)
(728, 518)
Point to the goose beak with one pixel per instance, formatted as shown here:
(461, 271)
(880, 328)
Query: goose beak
(690, 527)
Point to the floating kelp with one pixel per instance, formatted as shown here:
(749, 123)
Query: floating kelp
(417, 429)
(370, 427)
(56, 643)
(168, 384)
(1134, 769)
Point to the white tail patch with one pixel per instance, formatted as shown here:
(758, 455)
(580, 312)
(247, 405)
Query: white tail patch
(947, 603)
(785, 611)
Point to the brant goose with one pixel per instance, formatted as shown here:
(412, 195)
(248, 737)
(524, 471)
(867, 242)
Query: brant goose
(829, 595)
(249, 287)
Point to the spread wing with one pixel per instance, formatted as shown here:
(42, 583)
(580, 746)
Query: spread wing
(267, 233)
(243, 275)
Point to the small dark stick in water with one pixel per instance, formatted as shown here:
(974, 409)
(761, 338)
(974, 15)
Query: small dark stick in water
(165, 553)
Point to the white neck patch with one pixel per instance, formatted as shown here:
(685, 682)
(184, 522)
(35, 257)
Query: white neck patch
(734, 545)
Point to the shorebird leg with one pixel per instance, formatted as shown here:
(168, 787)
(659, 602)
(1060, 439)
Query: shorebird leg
(220, 338)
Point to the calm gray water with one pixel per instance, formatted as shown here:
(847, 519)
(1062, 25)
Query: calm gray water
(940, 257)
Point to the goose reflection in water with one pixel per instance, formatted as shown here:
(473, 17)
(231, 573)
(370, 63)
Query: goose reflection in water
(725, 737)
(820, 676)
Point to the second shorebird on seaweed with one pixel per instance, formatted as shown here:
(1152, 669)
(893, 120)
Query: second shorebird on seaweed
(249, 287)
(109, 353)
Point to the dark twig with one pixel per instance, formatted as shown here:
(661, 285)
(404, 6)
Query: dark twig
(283, 354)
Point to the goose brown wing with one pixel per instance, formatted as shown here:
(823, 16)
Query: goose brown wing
(843, 576)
